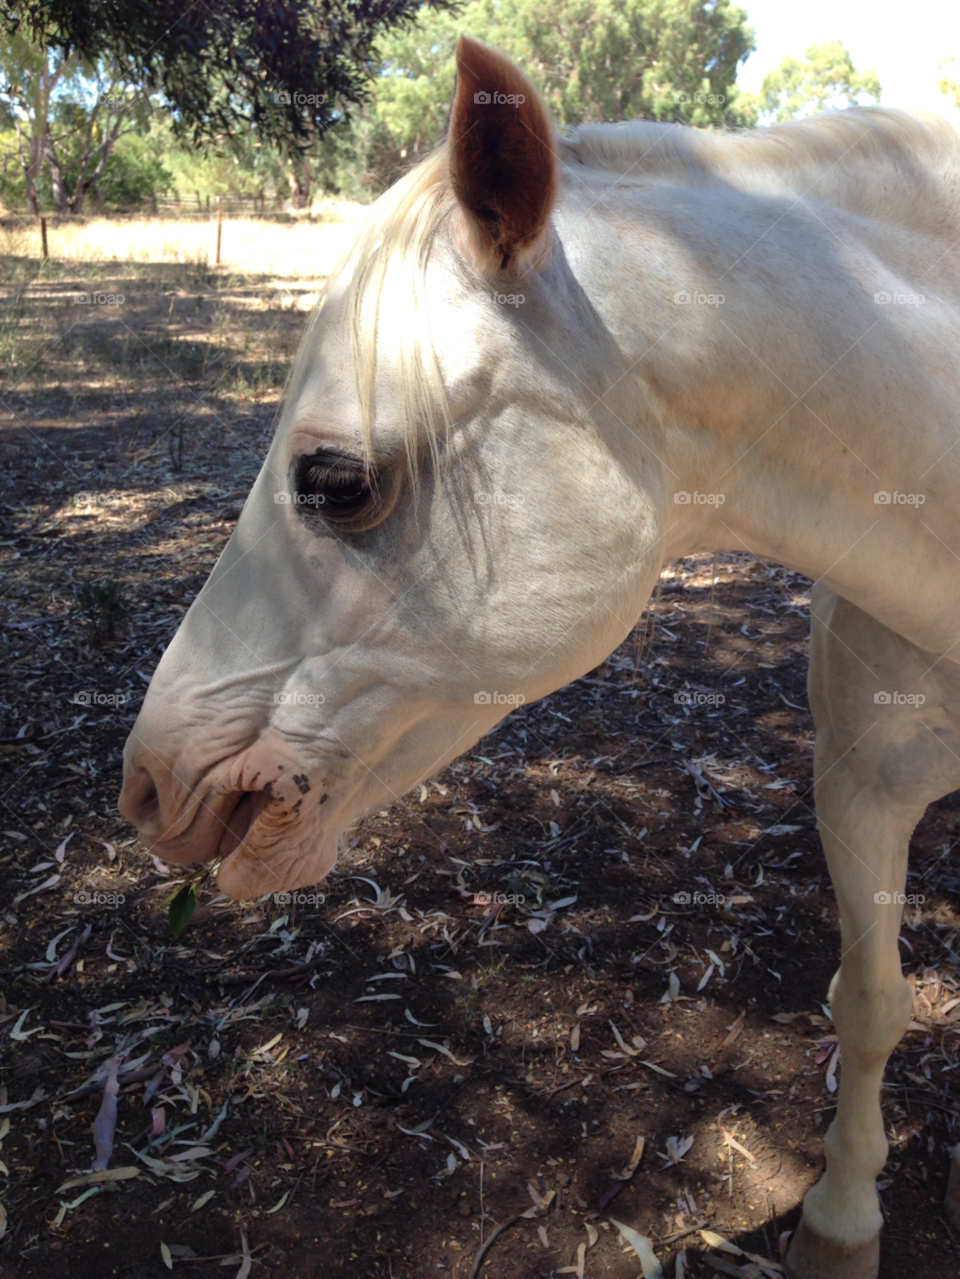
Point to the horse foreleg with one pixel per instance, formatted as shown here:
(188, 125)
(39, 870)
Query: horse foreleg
(876, 767)
(866, 842)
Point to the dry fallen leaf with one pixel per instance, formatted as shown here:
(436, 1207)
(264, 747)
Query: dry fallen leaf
(94, 1178)
(244, 1270)
(643, 1247)
(713, 1240)
(578, 1268)
(105, 1124)
(677, 1147)
(736, 1145)
(735, 1030)
(627, 1172)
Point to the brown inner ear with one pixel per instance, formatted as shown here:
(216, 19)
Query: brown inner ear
(502, 152)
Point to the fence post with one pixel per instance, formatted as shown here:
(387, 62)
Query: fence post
(219, 232)
(43, 236)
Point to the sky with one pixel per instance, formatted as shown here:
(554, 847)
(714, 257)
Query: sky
(903, 44)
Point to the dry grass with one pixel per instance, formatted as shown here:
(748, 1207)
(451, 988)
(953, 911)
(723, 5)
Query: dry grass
(307, 248)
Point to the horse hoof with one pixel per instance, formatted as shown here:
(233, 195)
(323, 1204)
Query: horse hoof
(952, 1202)
(810, 1257)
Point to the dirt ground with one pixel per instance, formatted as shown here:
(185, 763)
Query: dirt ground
(384, 1079)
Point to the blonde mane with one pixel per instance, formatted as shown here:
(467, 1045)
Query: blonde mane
(887, 164)
(399, 235)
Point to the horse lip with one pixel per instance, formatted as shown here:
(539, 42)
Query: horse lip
(240, 821)
(179, 842)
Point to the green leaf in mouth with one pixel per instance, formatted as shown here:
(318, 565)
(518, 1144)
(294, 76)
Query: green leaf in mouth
(183, 903)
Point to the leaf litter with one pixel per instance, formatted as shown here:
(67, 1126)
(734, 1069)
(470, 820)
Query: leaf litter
(195, 1036)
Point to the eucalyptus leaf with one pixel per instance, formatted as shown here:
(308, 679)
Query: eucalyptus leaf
(182, 905)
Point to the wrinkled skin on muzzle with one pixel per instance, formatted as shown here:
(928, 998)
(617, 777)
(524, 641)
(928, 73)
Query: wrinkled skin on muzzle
(333, 661)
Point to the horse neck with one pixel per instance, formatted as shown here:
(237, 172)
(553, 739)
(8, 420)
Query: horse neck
(785, 391)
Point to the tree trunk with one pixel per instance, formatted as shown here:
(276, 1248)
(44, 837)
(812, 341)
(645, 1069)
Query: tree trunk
(95, 155)
(61, 201)
(298, 176)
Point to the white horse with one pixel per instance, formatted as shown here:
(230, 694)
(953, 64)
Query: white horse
(539, 348)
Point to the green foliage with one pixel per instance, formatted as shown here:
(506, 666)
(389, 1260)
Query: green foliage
(592, 60)
(102, 604)
(623, 59)
(180, 910)
(289, 70)
(825, 78)
(12, 181)
(242, 166)
(412, 95)
(183, 903)
(132, 175)
(71, 116)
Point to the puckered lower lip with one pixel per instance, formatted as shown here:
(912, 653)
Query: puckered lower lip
(212, 826)
(258, 866)
(241, 820)
(260, 849)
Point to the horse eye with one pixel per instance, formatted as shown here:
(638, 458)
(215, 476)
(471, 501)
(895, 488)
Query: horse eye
(335, 486)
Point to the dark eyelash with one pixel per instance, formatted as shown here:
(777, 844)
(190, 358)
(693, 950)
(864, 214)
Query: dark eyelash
(338, 476)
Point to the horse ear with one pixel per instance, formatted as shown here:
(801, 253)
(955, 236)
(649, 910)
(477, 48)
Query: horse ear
(502, 157)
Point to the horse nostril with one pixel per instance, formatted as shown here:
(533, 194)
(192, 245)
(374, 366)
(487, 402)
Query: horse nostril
(140, 800)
